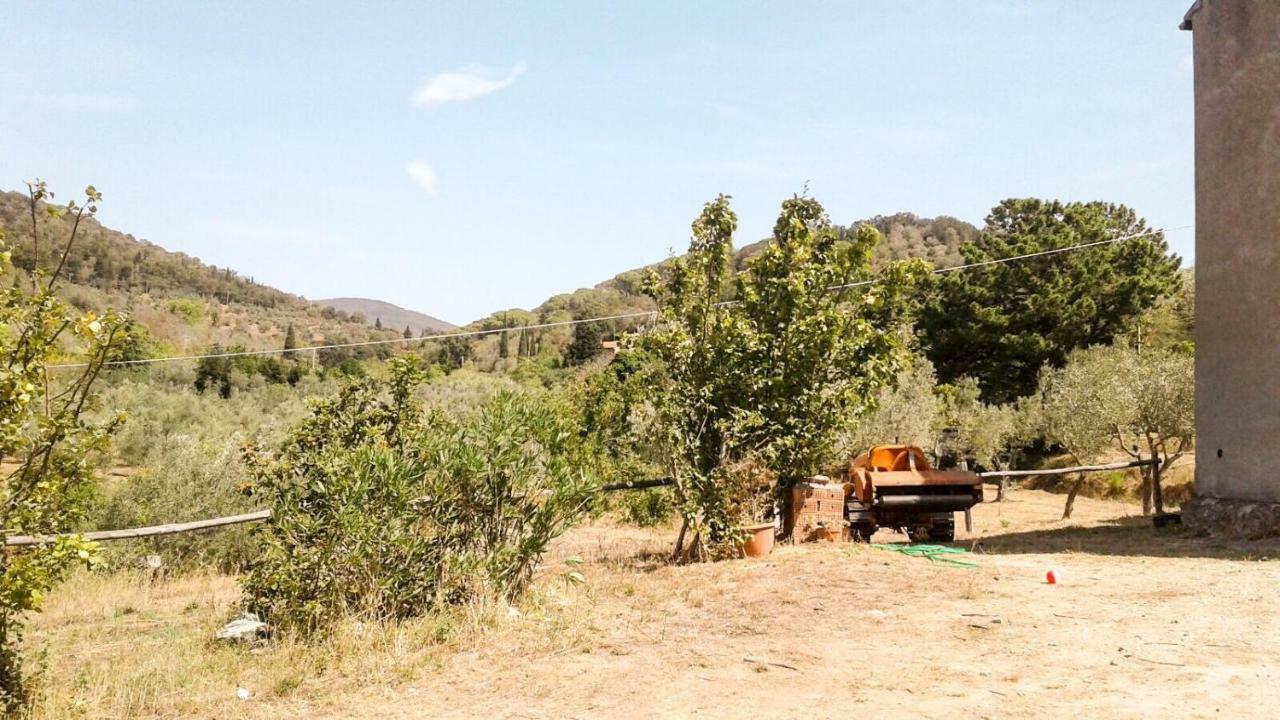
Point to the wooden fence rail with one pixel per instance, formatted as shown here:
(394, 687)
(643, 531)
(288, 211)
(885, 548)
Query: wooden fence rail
(170, 529)
(1068, 470)
(174, 528)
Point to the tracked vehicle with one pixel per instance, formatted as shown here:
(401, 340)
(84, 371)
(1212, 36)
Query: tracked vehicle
(894, 486)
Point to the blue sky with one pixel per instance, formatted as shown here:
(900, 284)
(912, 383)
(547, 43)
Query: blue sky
(461, 159)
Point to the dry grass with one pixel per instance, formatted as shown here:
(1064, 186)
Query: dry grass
(811, 631)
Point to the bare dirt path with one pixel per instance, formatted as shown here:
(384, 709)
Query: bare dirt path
(1141, 624)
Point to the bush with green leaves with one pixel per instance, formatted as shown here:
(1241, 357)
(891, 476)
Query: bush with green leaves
(383, 510)
(183, 479)
(52, 448)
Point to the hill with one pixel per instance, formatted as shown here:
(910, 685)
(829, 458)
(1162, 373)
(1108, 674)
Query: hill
(903, 235)
(391, 317)
(184, 304)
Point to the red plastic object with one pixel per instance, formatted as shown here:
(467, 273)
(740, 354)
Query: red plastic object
(1050, 578)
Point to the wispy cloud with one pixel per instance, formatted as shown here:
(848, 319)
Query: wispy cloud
(464, 84)
(423, 175)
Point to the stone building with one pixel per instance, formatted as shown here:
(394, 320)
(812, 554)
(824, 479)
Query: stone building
(1237, 137)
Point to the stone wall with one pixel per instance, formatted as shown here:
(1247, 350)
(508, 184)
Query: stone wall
(1237, 109)
(1232, 518)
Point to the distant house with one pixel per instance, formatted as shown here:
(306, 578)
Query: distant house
(1237, 109)
(609, 346)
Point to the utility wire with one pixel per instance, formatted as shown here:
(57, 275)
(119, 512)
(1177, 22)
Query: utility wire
(569, 323)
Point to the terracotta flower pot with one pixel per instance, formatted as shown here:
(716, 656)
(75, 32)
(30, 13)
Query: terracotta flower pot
(759, 540)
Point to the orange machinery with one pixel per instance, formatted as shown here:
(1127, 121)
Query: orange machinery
(894, 486)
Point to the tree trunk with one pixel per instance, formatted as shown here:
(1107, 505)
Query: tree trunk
(1001, 485)
(1071, 496)
(675, 554)
(1157, 494)
(1147, 503)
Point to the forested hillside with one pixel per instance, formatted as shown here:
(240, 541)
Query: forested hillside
(903, 236)
(181, 304)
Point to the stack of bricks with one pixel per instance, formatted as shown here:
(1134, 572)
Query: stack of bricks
(817, 511)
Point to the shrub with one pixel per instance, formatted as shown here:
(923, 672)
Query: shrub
(649, 508)
(385, 511)
(189, 309)
(185, 479)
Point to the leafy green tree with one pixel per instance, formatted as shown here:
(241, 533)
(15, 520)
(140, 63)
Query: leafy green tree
(907, 411)
(291, 338)
(1083, 406)
(585, 345)
(773, 374)
(814, 350)
(44, 436)
(1001, 323)
(455, 352)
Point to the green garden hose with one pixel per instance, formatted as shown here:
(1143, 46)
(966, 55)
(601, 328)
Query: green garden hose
(936, 553)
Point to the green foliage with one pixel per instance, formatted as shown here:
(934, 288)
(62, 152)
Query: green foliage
(190, 309)
(619, 415)
(454, 352)
(224, 371)
(1002, 323)
(774, 374)
(184, 479)
(649, 508)
(291, 338)
(385, 511)
(907, 411)
(42, 433)
(1117, 398)
(586, 344)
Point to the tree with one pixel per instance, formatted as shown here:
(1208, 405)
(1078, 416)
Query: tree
(454, 352)
(585, 345)
(1140, 402)
(290, 338)
(771, 376)
(906, 411)
(377, 323)
(816, 345)
(43, 434)
(408, 332)
(1002, 323)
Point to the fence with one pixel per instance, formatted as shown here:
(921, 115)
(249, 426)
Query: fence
(174, 528)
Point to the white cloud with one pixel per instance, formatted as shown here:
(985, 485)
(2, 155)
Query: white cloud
(423, 175)
(466, 83)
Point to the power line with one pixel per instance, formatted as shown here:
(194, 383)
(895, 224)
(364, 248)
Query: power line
(569, 323)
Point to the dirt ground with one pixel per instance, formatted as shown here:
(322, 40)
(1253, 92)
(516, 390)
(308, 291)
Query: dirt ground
(1140, 624)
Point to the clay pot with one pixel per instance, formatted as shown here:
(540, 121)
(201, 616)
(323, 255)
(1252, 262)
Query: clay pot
(759, 540)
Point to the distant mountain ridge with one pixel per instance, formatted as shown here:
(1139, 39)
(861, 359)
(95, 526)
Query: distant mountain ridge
(392, 317)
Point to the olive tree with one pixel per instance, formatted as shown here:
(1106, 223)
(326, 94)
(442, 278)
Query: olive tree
(1115, 398)
(1152, 411)
(908, 411)
(42, 432)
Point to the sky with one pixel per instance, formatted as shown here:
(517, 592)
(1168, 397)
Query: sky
(464, 158)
